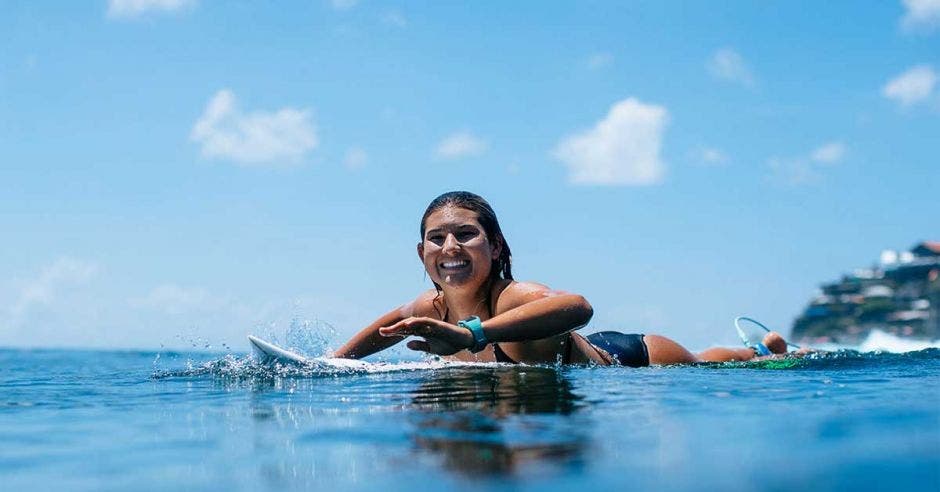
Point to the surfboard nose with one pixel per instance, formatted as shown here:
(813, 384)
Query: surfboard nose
(268, 352)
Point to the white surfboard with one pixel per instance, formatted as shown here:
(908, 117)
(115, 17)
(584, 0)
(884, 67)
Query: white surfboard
(268, 352)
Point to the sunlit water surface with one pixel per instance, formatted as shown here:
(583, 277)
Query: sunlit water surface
(87, 420)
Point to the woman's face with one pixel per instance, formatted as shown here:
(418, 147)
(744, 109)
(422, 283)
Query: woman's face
(455, 250)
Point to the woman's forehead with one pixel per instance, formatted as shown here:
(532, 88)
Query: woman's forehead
(450, 215)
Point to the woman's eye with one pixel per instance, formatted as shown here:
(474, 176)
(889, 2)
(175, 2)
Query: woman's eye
(436, 239)
(466, 235)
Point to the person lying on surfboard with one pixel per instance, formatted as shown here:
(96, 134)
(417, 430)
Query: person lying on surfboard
(478, 312)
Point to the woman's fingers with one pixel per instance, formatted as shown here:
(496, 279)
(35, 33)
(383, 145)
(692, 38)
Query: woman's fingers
(392, 330)
(419, 345)
(440, 337)
(401, 328)
(407, 326)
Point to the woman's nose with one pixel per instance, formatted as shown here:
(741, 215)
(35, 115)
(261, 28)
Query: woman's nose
(450, 243)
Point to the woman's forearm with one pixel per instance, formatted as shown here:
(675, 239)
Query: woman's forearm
(368, 341)
(539, 319)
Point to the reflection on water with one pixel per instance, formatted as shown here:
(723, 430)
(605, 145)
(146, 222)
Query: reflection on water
(500, 391)
(497, 421)
(487, 421)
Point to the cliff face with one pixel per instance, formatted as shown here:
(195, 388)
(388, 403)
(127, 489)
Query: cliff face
(901, 296)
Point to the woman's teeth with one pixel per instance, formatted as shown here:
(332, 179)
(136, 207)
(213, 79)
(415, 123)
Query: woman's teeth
(455, 264)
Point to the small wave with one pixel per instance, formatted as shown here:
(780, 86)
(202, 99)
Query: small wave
(878, 340)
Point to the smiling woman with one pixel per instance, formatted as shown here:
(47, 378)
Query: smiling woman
(478, 312)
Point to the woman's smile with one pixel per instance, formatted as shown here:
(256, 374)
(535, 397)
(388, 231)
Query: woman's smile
(454, 265)
(454, 270)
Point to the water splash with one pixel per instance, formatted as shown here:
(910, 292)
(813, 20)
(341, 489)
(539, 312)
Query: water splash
(242, 368)
(310, 337)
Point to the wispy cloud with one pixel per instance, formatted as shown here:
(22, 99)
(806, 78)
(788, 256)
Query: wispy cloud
(61, 274)
(601, 60)
(279, 137)
(911, 87)
(794, 172)
(727, 64)
(356, 158)
(711, 156)
(829, 153)
(920, 15)
(395, 18)
(806, 169)
(621, 149)
(130, 9)
(460, 144)
(176, 299)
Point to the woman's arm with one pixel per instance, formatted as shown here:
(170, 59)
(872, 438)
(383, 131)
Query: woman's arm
(530, 311)
(368, 341)
(527, 311)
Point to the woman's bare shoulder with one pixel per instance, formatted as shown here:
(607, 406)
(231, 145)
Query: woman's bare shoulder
(428, 304)
(515, 294)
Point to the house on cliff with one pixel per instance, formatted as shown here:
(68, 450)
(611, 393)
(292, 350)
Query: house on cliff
(901, 296)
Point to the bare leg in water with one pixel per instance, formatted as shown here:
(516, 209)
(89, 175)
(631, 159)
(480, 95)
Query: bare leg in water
(665, 351)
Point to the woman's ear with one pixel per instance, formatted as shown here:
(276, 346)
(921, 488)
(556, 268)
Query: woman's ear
(421, 252)
(497, 247)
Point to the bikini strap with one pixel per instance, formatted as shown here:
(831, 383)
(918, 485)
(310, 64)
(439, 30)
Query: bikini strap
(501, 356)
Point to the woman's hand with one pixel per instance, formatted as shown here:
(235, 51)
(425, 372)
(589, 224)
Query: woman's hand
(440, 338)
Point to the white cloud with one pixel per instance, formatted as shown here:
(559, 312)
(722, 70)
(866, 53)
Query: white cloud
(911, 87)
(621, 149)
(920, 14)
(806, 169)
(460, 144)
(728, 64)
(343, 4)
(829, 153)
(599, 60)
(356, 158)
(128, 9)
(59, 275)
(279, 137)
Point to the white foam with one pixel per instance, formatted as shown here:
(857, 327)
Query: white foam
(878, 340)
(380, 367)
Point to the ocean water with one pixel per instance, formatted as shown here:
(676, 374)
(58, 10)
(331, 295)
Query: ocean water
(105, 420)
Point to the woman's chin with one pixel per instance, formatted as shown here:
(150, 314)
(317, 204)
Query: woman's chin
(458, 280)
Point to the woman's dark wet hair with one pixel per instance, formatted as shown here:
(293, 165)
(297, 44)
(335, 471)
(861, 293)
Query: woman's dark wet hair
(502, 266)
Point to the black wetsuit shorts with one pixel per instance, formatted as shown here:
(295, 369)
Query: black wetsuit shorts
(627, 349)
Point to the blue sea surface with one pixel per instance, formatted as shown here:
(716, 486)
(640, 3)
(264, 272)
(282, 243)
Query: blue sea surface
(105, 420)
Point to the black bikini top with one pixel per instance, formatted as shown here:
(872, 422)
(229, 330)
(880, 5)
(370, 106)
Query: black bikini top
(498, 352)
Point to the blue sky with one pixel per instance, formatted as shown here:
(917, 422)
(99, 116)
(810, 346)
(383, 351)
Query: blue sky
(175, 171)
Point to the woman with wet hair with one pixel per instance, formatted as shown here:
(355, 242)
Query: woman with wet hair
(478, 312)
